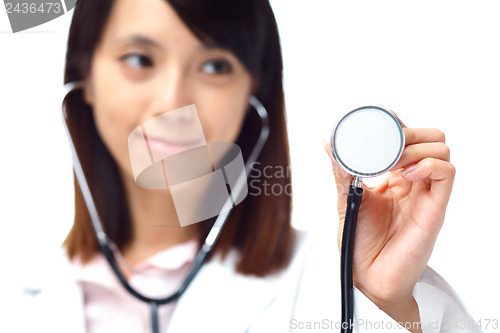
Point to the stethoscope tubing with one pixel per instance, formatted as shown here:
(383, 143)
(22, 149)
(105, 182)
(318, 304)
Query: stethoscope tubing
(354, 197)
(213, 235)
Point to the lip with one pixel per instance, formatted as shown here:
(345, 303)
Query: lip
(167, 148)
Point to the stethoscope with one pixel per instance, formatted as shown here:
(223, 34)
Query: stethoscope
(366, 142)
(108, 248)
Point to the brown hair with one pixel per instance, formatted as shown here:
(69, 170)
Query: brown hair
(259, 227)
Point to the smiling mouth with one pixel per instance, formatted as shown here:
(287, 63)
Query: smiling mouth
(167, 148)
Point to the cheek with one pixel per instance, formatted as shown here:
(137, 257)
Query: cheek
(222, 113)
(115, 113)
(222, 120)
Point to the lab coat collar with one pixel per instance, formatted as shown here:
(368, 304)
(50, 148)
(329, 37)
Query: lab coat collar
(51, 299)
(220, 299)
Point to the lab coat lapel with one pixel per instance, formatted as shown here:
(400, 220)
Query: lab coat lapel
(221, 300)
(57, 309)
(51, 297)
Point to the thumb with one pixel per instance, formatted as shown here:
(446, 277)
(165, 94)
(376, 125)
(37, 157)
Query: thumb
(342, 179)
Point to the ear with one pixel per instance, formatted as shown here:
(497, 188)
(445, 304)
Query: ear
(254, 89)
(88, 92)
(253, 92)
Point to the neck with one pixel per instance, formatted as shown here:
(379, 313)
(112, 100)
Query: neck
(155, 225)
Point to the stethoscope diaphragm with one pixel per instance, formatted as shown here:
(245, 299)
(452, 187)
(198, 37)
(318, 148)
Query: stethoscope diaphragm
(368, 141)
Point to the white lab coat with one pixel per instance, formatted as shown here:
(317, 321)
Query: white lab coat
(303, 298)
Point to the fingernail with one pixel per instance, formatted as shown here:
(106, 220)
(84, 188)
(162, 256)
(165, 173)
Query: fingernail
(408, 170)
(327, 149)
(325, 142)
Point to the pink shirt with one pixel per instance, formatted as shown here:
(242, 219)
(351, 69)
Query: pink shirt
(110, 308)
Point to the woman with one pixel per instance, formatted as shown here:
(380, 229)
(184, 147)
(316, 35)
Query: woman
(138, 59)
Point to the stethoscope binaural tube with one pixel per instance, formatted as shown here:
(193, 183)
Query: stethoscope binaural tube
(367, 142)
(106, 244)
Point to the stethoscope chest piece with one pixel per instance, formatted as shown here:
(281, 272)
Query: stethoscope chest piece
(368, 141)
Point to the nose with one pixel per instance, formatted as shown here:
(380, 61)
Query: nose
(172, 93)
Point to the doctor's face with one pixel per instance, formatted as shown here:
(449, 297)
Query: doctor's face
(147, 63)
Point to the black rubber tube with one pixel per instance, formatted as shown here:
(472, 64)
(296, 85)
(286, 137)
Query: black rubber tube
(346, 281)
(155, 327)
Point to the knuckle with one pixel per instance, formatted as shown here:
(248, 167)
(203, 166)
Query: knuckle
(428, 163)
(439, 135)
(444, 149)
(452, 170)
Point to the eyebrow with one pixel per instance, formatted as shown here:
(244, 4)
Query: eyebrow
(138, 39)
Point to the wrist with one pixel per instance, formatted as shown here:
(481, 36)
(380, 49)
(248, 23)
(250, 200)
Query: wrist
(401, 308)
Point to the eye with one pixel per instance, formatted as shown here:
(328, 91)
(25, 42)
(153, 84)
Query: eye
(217, 67)
(137, 60)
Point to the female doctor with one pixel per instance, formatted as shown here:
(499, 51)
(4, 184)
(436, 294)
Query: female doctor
(142, 58)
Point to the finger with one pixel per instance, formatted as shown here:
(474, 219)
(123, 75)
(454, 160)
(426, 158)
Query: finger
(440, 174)
(342, 178)
(417, 152)
(421, 135)
(403, 124)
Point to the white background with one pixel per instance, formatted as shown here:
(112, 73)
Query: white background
(435, 63)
